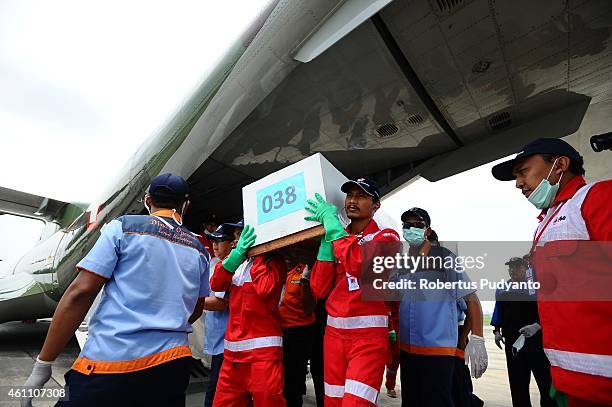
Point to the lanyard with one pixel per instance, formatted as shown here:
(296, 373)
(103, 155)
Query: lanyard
(539, 232)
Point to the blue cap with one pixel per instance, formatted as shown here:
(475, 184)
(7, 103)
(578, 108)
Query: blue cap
(504, 171)
(368, 185)
(237, 225)
(417, 213)
(225, 231)
(169, 186)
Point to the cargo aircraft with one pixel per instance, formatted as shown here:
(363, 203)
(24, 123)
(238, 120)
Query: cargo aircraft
(393, 89)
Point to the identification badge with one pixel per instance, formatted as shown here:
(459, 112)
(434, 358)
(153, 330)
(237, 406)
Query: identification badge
(352, 283)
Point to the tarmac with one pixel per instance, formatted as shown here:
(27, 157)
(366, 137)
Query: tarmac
(20, 343)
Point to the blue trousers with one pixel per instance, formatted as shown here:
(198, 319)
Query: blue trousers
(161, 385)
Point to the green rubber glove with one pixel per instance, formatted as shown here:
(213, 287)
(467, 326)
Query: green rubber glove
(560, 398)
(326, 251)
(392, 336)
(238, 254)
(327, 214)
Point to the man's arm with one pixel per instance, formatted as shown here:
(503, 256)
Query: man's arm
(597, 211)
(70, 312)
(215, 304)
(309, 302)
(221, 279)
(267, 277)
(464, 332)
(323, 278)
(197, 312)
(474, 314)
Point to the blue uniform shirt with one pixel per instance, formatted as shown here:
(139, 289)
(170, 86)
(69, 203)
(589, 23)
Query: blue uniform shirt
(155, 271)
(215, 323)
(429, 318)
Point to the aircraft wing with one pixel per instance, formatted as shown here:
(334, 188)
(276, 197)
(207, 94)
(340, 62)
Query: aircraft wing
(29, 205)
(27, 289)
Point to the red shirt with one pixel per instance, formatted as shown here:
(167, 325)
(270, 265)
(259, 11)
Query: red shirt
(291, 309)
(253, 329)
(207, 244)
(340, 280)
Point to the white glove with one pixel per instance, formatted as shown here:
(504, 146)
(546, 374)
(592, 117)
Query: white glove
(529, 330)
(476, 356)
(499, 339)
(41, 373)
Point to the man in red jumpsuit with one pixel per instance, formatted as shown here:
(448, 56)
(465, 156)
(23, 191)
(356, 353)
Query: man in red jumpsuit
(356, 338)
(253, 360)
(572, 258)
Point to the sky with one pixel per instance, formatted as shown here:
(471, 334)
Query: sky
(85, 83)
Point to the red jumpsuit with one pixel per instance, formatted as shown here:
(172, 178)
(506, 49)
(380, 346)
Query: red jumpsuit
(356, 337)
(253, 362)
(207, 244)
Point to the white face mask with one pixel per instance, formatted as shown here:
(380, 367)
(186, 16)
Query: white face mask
(179, 221)
(544, 194)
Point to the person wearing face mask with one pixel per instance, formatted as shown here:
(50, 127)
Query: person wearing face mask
(571, 261)
(216, 308)
(429, 331)
(517, 323)
(356, 337)
(155, 277)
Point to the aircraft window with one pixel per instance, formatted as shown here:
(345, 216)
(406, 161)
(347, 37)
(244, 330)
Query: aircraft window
(48, 230)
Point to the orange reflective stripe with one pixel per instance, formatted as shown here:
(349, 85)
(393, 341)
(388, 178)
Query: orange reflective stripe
(87, 366)
(428, 350)
(460, 353)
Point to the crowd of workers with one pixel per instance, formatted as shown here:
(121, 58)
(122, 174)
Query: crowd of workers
(269, 316)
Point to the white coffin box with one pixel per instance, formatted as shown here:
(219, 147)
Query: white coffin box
(274, 205)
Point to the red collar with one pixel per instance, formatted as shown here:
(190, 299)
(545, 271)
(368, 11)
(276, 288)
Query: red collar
(298, 269)
(568, 191)
(371, 227)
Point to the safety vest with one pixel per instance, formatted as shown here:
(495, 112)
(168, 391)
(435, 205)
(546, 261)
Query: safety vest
(575, 274)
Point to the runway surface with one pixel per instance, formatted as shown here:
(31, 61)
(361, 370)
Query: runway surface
(20, 343)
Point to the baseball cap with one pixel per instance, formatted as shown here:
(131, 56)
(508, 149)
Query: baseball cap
(237, 225)
(514, 261)
(418, 213)
(169, 186)
(225, 231)
(556, 146)
(368, 185)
